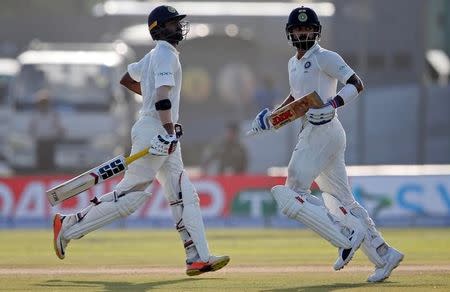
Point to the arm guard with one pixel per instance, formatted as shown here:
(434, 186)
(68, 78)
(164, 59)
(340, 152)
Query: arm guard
(347, 93)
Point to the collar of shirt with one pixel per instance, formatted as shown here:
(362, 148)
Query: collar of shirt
(167, 45)
(311, 51)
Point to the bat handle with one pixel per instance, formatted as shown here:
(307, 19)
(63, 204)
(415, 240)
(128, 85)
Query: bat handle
(137, 155)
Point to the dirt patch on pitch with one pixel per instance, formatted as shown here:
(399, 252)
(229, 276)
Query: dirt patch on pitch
(231, 270)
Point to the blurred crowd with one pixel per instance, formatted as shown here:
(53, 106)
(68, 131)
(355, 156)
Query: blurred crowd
(40, 104)
(62, 109)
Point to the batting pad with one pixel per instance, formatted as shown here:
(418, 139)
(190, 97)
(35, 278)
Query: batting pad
(192, 217)
(315, 217)
(109, 209)
(358, 216)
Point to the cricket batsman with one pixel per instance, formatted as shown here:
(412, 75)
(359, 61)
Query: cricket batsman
(319, 153)
(157, 77)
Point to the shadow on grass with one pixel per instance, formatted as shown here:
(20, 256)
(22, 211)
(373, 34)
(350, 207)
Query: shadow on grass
(339, 286)
(112, 285)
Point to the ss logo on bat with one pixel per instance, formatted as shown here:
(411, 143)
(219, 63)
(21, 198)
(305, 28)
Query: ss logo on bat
(111, 169)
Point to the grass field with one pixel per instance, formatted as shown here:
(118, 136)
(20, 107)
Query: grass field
(261, 260)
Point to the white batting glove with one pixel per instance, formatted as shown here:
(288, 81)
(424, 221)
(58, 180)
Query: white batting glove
(320, 116)
(261, 123)
(163, 145)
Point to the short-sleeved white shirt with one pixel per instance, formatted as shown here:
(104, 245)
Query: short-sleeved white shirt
(161, 66)
(318, 70)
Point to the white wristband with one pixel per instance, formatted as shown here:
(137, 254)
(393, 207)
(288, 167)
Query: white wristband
(348, 93)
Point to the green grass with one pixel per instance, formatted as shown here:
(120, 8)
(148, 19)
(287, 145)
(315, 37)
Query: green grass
(273, 250)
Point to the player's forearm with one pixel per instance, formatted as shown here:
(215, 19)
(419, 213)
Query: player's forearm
(166, 121)
(163, 106)
(286, 101)
(131, 84)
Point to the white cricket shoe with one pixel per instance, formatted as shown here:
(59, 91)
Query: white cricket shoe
(393, 258)
(346, 254)
(60, 223)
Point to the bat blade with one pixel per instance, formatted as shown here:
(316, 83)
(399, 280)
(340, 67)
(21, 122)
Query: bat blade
(86, 180)
(72, 187)
(295, 110)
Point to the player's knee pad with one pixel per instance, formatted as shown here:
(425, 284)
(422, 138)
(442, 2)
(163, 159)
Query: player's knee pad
(358, 211)
(311, 212)
(105, 210)
(180, 193)
(190, 196)
(361, 214)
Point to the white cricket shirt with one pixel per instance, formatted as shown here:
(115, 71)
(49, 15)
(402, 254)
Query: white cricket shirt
(161, 66)
(318, 70)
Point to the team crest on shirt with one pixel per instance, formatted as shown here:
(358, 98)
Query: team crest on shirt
(307, 65)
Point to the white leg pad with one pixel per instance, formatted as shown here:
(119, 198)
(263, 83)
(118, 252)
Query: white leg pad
(373, 239)
(313, 215)
(105, 210)
(188, 243)
(192, 217)
(370, 250)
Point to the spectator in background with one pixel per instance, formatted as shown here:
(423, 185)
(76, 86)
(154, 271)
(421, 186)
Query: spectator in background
(32, 81)
(266, 94)
(45, 127)
(228, 155)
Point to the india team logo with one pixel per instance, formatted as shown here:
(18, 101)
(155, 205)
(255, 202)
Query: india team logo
(302, 17)
(171, 9)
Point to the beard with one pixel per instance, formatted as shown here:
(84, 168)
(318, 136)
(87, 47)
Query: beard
(305, 42)
(178, 35)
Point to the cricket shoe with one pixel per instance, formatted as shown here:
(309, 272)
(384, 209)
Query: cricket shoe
(393, 258)
(60, 223)
(213, 264)
(346, 254)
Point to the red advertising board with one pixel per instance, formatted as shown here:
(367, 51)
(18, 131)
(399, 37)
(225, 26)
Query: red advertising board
(410, 200)
(24, 197)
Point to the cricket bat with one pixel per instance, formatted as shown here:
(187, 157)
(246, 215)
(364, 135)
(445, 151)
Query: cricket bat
(295, 110)
(98, 174)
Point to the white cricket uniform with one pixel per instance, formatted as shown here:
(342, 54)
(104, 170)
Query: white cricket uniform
(161, 66)
(319, 153)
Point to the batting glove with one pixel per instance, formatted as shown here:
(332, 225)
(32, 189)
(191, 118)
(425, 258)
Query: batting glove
(261, 123)
(163, 145)
(320, 116)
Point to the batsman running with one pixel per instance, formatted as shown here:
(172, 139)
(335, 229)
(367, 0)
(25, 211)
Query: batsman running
(319, 153)
(157, 77)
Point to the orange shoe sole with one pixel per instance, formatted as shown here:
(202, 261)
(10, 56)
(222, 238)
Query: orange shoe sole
(57, 224)
(200, 268)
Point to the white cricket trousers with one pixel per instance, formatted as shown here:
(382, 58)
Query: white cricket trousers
(319, 155)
